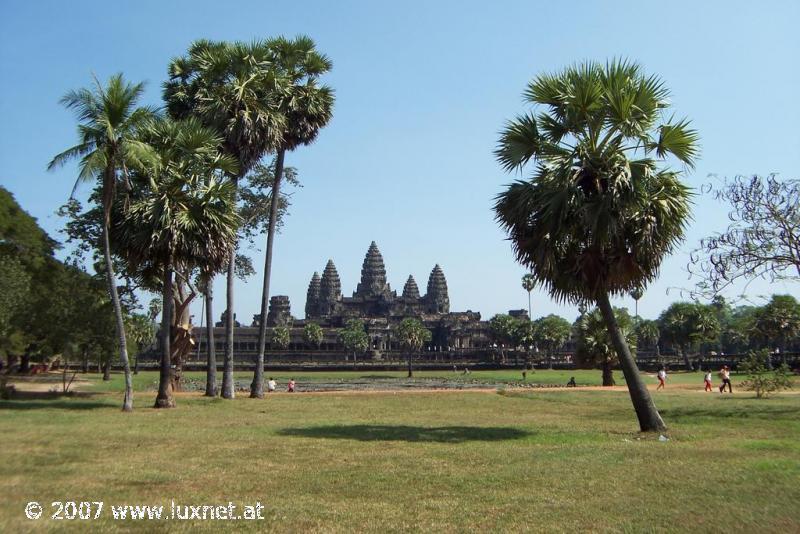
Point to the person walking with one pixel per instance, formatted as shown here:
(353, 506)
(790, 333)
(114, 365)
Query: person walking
(707, 381)
(291, 385)
(271, 385)
(725, 375)
(662, 377)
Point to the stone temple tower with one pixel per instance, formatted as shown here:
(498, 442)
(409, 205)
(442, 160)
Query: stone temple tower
(279, 311)
(312, 297)
(330, 289)
(437, 300)
(410, 290)
(373, 275)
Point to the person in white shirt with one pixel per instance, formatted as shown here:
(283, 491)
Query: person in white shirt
(271, 385)
(707, 381)
(725, 375)
(662, 377)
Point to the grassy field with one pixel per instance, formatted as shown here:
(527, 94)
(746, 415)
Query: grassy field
(541, 460)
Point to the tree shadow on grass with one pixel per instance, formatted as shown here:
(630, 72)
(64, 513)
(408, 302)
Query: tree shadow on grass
(441, 434)
(39, 400)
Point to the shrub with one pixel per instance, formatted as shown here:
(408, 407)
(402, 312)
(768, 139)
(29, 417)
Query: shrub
(760, 379)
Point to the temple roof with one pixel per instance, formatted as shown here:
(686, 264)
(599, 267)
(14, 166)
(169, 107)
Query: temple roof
(330, 285)
(373, 273)
(437, 284)
(312, 297)
(410, 290)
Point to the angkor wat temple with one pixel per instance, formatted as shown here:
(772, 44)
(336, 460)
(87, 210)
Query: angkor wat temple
(375, 303)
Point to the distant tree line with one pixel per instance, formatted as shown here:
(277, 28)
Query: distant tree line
(688, 329)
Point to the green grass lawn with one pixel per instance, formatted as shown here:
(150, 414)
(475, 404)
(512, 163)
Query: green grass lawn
(521, 460)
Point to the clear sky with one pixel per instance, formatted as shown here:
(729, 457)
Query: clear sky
(422, 90)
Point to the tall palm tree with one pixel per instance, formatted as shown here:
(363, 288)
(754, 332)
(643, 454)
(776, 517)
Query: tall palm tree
(108, 122)
(601, 209)
(636, 293)
(413, 335)
(307, 107)
(528, 283)
(181, 219)
(233, 88)
(211, 349)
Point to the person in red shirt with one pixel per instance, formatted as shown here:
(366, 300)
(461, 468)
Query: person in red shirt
(291, 385)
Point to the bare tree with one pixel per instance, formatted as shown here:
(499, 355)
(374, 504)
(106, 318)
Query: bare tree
(762, 239)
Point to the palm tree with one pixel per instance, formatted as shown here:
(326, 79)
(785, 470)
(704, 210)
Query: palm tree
(778, 321)
(142, 332)
(636, 293)
(601, 209)
(647, 333)
(107, 148)
(181, 218)
(313, 335)
(211, 350)
(686, 325)
(354, 338)
(307, 108)
(595, 347)
(550, 333)
(233, 88)
(412, 335)
(528, 283)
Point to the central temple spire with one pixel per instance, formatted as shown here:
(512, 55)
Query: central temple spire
(373, 274)
(437, 298)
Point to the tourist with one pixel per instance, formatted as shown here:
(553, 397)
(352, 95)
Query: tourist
(291, 385)
(271, 385)
(725, 375)
(662, 377)
(707, 381)
(524, 376)
(571, 383)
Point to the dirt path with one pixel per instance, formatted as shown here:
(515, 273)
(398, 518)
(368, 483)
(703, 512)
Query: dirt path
(45, 383)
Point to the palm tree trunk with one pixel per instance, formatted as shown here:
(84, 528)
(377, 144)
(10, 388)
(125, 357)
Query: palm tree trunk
(686, 362)
(530, 318)
(649, 418)
(164, 398)
(107, 369)
(608, 374)
(211, 365)
(227, 370)
(257, 387)
(410, 370)
(127, 400)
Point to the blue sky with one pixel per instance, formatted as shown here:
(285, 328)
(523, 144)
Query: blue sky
(422, 90)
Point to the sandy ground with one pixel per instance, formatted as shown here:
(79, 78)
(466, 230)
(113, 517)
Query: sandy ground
(53, 382)
(46, 383)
